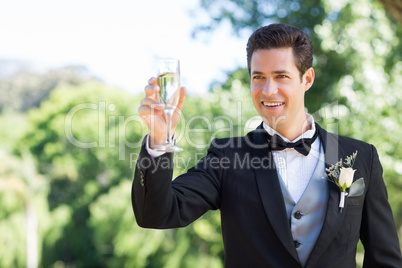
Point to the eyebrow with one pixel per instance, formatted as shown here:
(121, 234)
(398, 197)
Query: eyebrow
(281, 72)
(274, 72)
(256, 72)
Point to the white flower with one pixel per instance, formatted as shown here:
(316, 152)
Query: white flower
(342, 176)
(346, 178)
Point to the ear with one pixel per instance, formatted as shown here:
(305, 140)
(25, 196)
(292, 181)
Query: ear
(308, 78)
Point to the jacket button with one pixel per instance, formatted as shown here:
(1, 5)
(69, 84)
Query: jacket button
(297, 243)
(298, 215)
(142, 183)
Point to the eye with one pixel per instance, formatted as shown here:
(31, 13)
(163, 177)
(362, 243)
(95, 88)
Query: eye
(282, 76)
(257, 77)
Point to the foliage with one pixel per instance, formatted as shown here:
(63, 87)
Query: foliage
(12, 189)
(14, 125)
(82, 138)
(24, 87)
(85, 141)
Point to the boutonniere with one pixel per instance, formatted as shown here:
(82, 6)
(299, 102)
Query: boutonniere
(342, 174)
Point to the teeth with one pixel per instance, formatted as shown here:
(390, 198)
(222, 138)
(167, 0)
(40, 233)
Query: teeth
(273, 104)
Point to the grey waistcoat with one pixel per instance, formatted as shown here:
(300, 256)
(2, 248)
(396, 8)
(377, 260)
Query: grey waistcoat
(307, 216)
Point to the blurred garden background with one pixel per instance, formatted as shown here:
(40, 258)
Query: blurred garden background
(69, 140)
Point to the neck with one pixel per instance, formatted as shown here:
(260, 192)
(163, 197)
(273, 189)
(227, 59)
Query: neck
(292, 130)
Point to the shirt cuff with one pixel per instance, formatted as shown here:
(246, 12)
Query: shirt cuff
(150, 151)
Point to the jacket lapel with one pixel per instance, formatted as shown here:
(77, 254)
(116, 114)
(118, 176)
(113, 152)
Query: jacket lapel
(333, 219)
(270, 192)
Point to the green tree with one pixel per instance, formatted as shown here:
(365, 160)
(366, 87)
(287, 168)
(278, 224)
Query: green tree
(24, 87)
(85, 140)
(21, 189)
(81, 140)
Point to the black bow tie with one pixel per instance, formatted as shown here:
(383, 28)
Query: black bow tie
(303, 146)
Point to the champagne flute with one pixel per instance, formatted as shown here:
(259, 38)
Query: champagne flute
(169, 84)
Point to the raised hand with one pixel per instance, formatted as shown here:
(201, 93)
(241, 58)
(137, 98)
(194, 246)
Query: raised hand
(151, 112)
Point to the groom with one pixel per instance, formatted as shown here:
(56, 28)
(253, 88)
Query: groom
(276, 209)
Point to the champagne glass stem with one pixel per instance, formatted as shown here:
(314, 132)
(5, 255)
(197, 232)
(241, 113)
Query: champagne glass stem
(169, 115)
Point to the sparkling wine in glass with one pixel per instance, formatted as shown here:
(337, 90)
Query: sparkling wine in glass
(169, 84)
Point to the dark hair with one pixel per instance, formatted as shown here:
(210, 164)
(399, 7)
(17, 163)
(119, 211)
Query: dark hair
(279, 36)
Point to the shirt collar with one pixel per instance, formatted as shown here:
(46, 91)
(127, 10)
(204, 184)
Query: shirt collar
(308, 134)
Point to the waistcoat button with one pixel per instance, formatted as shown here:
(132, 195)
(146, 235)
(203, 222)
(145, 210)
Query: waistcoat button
(298, 215)
(297, 243)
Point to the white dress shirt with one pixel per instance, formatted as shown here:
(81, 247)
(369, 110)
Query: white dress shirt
(293, 168)
(151, 152)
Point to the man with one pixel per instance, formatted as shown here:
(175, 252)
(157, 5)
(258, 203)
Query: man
(276, 209)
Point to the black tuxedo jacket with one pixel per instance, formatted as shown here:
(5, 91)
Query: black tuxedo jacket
(239, 178)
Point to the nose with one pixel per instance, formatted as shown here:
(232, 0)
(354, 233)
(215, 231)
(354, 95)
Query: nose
(270, 88)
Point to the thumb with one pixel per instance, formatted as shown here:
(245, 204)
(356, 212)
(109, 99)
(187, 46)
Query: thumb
(181, 98)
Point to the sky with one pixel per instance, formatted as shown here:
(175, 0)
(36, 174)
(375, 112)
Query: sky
(119, 40)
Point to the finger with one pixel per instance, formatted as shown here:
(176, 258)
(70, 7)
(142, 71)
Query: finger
(146, 111)
(152, 81)
(151, 102)
(181, 97)
(151, 91)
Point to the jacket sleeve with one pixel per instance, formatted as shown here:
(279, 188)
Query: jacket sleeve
(378, 232)
(158, 202)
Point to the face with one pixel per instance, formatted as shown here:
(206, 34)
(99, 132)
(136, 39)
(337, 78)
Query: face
(277, 90)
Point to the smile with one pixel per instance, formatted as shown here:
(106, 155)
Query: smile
(272, 104)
